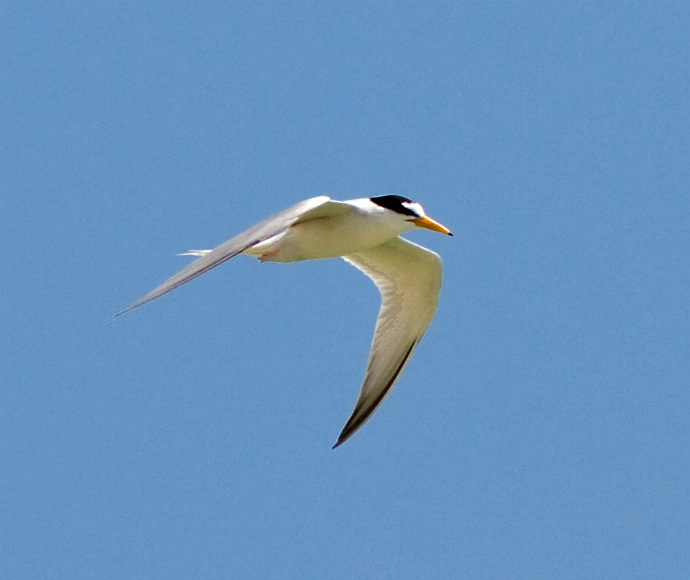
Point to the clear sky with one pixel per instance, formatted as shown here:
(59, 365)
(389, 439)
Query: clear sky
(542, 428)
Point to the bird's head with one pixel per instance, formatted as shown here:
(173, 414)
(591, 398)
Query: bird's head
(411, 211)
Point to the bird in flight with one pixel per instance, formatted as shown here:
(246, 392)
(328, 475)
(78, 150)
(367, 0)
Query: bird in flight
(366, 233)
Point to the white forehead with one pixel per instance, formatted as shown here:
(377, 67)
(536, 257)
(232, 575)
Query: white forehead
(415, 207)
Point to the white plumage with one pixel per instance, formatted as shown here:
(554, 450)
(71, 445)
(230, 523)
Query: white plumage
(365, 232)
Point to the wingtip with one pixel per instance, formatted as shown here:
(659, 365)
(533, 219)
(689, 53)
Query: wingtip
(345, 434)
(113, 317)
(125, 311)
(342, 437)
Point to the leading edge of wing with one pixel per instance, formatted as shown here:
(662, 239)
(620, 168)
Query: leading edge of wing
(408, 277)
(236, 245)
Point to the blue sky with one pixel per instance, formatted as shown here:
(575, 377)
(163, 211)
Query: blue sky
(542, 428)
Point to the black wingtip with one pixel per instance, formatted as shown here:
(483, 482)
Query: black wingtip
(344, 436)
(113, 317)
(125, 311)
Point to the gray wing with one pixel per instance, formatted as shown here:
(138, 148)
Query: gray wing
(408, 277)
(308, 209)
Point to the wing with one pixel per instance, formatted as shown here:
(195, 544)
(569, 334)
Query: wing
(409, 280)
(313, 208)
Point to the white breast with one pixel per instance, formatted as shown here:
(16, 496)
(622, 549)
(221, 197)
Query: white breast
(331, 237)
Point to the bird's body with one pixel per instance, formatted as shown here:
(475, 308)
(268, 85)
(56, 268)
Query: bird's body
(333, 230)
(365, 232)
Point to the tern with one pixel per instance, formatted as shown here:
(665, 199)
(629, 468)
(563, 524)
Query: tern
(366, 233)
